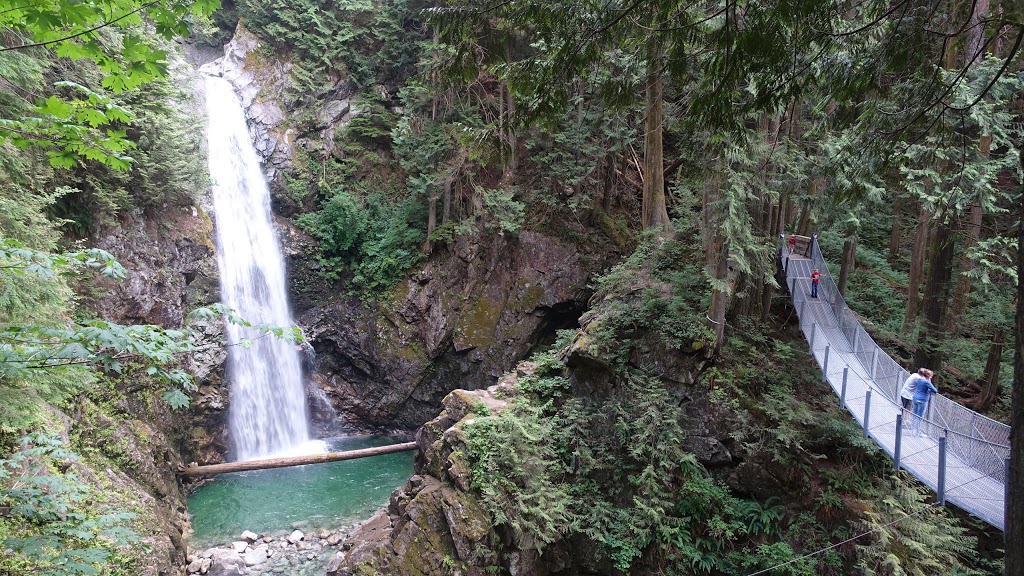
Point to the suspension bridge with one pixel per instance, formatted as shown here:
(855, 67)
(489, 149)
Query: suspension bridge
(960, 454)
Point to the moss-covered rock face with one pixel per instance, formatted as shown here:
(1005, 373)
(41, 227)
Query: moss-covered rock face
(472, 311)
(130, 454)
(130, 440)
(433, 524)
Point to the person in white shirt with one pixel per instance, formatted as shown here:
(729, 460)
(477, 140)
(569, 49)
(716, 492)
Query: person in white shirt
(907, 392)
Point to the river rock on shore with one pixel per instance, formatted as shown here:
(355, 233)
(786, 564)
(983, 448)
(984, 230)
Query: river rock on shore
(267, 555)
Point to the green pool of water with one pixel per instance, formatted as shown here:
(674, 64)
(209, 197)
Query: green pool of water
(303, 497)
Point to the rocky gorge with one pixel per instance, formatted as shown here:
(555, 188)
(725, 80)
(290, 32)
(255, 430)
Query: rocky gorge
(469, 313)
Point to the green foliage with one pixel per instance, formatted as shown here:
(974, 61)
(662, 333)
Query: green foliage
(657, 289)
(614, 471)
(516, 469)
(56, 526)
(77, 122)
(339, 226)
(376, 242)
(358, 40)
(503, 214)
(911, 542)
(390, 247)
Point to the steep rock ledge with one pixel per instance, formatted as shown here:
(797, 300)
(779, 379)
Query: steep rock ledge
(466, 317)
(132, 441)
(434, 519)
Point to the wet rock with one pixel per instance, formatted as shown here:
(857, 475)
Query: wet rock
(296, 536)
(249, 537)
(225, 562)
(255, 556)
(199, 565)
(335, 564)
(709, 451)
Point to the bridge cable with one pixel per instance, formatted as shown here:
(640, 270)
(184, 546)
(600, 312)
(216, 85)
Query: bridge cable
(847, 541)
(873, 530)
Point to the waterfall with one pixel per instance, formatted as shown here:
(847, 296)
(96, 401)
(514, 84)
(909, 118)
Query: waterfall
(268, 407)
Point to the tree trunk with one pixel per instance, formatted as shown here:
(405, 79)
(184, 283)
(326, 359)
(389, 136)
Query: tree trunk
(976, 33)
(720, 292)
(973, 229)
(803, 227)
(848, 263)
(195, 470)
(655, 214)
(428, 244)
(609, 182)
(894, 232)
(709, 224)
(513, 142)
(990, 380)
(916, 273)
(936, 298)
(1013, 533)
(963, 284)
(446, 202)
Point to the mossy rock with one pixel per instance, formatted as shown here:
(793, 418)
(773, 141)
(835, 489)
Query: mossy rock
(477, 327)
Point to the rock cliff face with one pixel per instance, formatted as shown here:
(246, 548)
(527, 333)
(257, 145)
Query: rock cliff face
(474, 309)
(461, 321)
(171, 267)
(262, 82)
(434, 520)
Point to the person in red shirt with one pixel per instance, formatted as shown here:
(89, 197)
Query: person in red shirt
(792, 243)
(815, 278)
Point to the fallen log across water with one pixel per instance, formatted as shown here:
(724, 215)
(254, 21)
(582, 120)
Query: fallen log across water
(194, 469)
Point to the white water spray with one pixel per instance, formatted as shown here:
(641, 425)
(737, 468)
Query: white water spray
(268, 405)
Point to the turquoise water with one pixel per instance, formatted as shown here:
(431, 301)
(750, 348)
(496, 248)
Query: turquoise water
(303, 497)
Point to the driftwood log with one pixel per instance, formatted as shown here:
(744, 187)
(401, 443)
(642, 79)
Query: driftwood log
(194, 469)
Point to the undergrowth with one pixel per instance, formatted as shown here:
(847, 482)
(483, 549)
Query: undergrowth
(612, 467)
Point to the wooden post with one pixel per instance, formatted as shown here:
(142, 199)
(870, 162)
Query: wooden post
(194, 469)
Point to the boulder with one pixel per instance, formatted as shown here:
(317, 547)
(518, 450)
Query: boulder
(249, 537)
(709, 451)
(255, 556)
(226, 562)
(198, 565)
(295, 537)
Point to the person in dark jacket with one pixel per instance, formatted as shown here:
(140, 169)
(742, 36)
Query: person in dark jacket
(925, 389)
(907, 393)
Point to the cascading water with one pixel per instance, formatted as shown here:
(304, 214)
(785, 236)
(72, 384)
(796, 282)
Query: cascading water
(268, 406)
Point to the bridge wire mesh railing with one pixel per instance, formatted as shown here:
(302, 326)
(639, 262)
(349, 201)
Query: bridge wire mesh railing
(978, 441)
